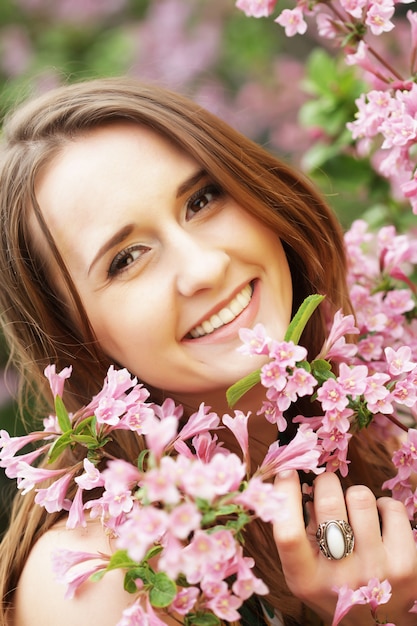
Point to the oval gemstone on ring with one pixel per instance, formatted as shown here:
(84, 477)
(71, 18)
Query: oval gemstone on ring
(335, 540)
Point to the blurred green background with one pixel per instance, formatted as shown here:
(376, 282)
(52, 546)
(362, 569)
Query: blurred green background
(291, 95)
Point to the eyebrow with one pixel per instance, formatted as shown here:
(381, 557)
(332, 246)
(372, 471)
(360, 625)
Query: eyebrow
(125, 231)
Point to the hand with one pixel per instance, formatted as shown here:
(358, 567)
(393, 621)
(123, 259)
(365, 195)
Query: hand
(384, 551)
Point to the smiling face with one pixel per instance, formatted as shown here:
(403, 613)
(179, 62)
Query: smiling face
(167, 265)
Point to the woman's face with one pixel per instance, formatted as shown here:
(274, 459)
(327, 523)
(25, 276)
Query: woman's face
(167, 265)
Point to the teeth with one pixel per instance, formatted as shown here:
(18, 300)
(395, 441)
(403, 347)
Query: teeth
(225, 315)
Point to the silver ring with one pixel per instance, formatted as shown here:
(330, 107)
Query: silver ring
(335, 539)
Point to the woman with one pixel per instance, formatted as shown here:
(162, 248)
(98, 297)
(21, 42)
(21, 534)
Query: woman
(140, 230)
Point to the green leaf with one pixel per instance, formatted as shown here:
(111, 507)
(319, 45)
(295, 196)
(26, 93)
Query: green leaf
(296, 327)
(236, 391)
(121, 559)
(97, 576)
(59, 446)
(143, 572)
(321, 370)
(163, 591)
(300, 319)
(62, 415)
(205, 619)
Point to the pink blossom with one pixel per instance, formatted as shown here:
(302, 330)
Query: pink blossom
(399, 360)
(376, 592)
(117, 502)
(287, 354)
(301, 453)
(293, 21)
(354, 7)
(332, 395)
(347, 598)
(57, 381)
(261, 498)
(378, 18)
(223, 474)
(160, 434)
(375, 390)
(10, 445)
(76, 515)
(273, 375)
(120, 475)
(273, 414)
(153, 524)
(136, 615)
(225, 606)
(353, 379)
(64, 559)
(239, 427)
(300, 383)
(160, 483)
(91, 478)
(200, 421)
(53, 498)
(184, 519)
(256, 8)
(185, 600)
(109, 411)
(28, 476)
(255, 340)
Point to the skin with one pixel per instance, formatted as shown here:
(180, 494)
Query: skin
(182, 252)
(185, 250)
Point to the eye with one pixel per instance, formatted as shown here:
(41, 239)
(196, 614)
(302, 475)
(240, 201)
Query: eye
(201, 199)
(124, 258)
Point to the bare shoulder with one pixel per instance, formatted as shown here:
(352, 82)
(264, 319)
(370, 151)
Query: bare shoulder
(40, 598)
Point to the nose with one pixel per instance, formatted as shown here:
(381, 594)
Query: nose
(198, 264)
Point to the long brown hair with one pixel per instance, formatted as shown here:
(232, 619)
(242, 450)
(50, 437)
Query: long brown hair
(36, 320)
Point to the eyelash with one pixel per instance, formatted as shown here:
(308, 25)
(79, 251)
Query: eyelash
(124, 255)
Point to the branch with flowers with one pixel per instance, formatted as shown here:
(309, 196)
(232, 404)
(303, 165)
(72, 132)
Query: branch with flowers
(385, 124)
(193, 499)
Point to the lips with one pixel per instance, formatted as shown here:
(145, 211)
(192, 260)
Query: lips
(226, 315)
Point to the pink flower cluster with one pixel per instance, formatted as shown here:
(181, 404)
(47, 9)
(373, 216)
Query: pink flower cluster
(386, 121)
(191, 497)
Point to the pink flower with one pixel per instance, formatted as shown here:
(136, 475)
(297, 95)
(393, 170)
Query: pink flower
(353, 379)
(225, 606)
(76, 515)
(287, 354)
(184, 519)
(255, 340)
(293, 21)
(28, 476)
(91, 478)
(53, 498)
(57, 381)
(160, 434)
(376, 592)
(301, 453)
(256, 8)
(200, 421)
(332, 395)
(378, 18)
(261, 498)
(239, 427)
(347, 598)
(399, 360)
(185, 600)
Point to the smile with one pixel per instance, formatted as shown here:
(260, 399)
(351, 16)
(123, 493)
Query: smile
(225, 315)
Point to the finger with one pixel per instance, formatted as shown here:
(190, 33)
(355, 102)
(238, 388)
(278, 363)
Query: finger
(329, 500)
(364, 519)
(294, 548)
(398, 537)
